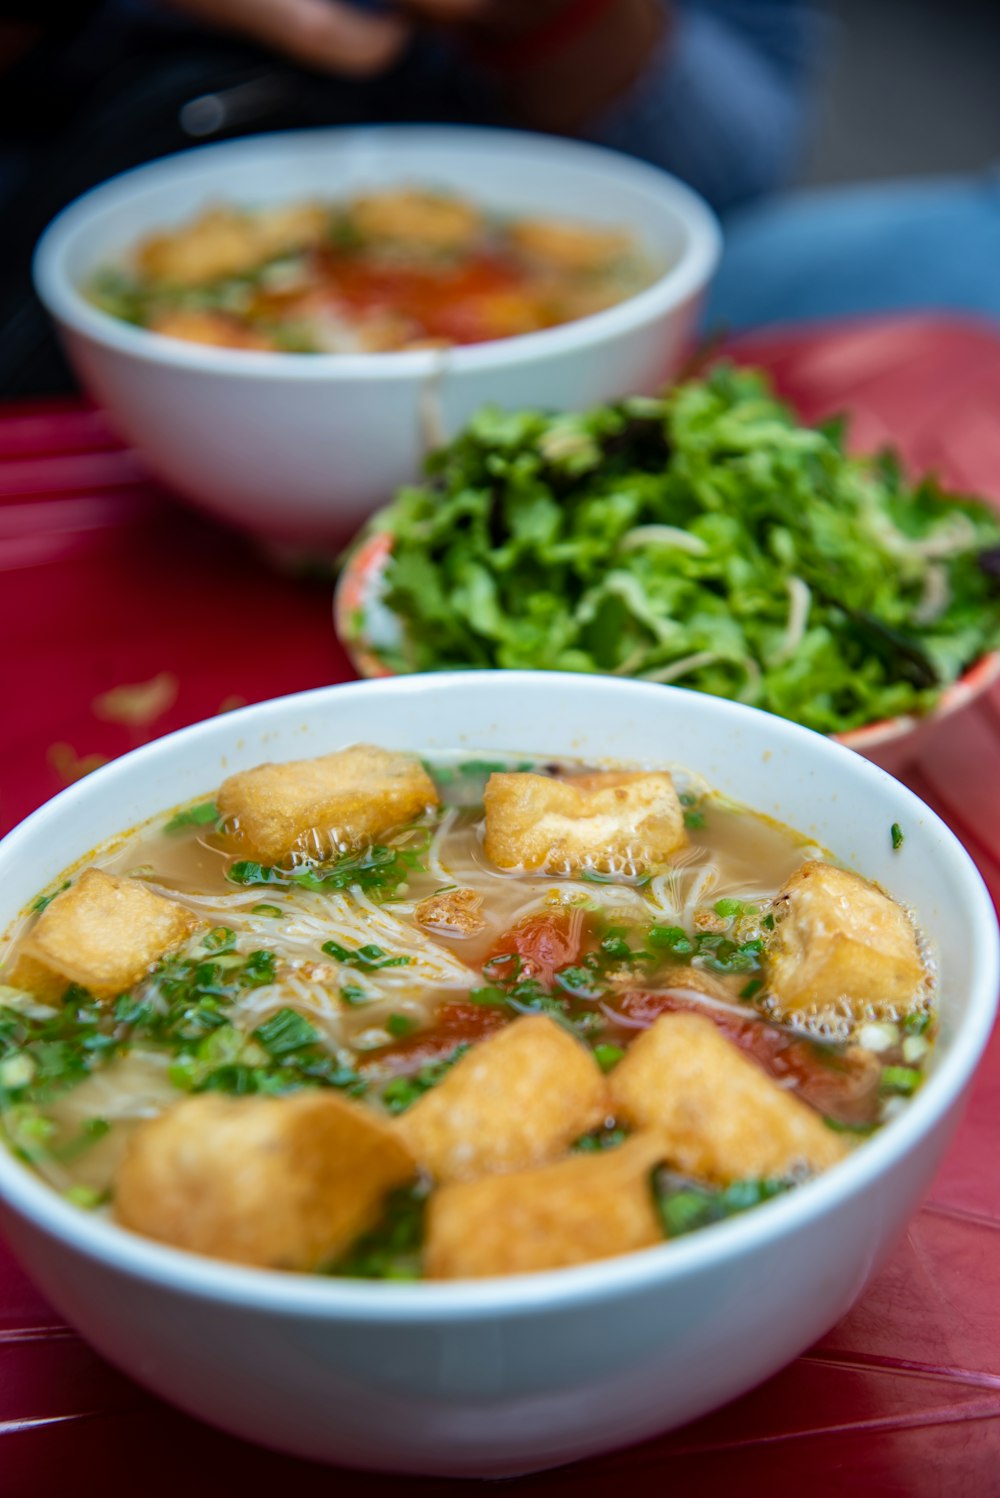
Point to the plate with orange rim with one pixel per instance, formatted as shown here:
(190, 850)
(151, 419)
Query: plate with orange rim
(369, 631)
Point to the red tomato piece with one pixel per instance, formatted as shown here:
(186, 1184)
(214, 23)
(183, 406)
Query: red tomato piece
(544, 942)
(457, 1022)
(842, 1085)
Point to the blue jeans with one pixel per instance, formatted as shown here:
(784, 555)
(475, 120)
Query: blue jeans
(882, 247)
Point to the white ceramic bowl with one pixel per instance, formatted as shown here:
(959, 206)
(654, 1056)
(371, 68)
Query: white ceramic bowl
(501, 1376)
(301, 448)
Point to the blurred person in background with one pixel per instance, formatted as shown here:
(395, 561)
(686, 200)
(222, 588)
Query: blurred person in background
(716, 91)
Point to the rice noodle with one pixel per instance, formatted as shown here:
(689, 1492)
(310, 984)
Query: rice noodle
(433, 855)
(799, 601)
(663, 535)
(935, 598)
(683, 667)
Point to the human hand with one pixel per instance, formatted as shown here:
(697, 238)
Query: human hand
(339, 37)
(329, 35)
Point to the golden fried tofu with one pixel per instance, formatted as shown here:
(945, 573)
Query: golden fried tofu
(518, 1098)
(281, 1183)
(719, 1114)
(839, 942)
(319, 806)
(226, 242)
(589, 1206)
(573, 247)
(213, 329)
(453, 912)
(612, 821)
(219, 243)
(104, 933)
(291, 227)
(421, 220)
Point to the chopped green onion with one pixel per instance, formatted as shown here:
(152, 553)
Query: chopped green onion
(608, 1056)
(272, 910)
(729, 907)
(402, 1092)
(44, 901)
(598, 1140)
(369, 958)
(85, 1197)
(845, 1128)
(219, 939)
(285, 1032)
(896, 833)
(901, 1080)
(399, 1025)
(487, 995)
(672, 939)
(194, 816)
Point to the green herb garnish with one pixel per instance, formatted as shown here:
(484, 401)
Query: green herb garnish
(706, 538)
(402, 1092)
(608, 1056)
(897, 835)
(194, 816)
(285, 1032)
(370, 958)
(684, 1208)
(598, 1140)
(900, 1080)
(379, 871)
(44, 901)
(392, 1250)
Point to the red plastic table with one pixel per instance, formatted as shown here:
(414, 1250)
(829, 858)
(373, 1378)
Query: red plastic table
(106, 583)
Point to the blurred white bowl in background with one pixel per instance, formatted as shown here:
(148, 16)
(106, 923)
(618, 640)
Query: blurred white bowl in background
(301, 448)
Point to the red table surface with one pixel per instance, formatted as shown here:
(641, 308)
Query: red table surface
(106, 582)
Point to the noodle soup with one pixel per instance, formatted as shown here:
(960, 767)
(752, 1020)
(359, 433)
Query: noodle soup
(367, 1016)
(384, 271)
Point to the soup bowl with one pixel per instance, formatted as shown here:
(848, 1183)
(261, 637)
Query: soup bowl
(299, 449)
(500, 1376)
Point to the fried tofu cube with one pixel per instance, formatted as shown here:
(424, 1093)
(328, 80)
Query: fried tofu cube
(213, 329)
(586, 1207)
(280, 1183)
(221, 242)
(518, 1098)
(104, 933)
(225, 242)
(453, 912)
(720, 1115)
(571, 247)
(610, 821)
(421, 220)
(841, 943)
(321, 806)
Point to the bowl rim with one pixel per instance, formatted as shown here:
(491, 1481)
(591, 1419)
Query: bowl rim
(370, 550)
(315, 1296)
(685, 278)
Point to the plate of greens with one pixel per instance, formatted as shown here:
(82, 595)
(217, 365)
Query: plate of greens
(705, 538)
